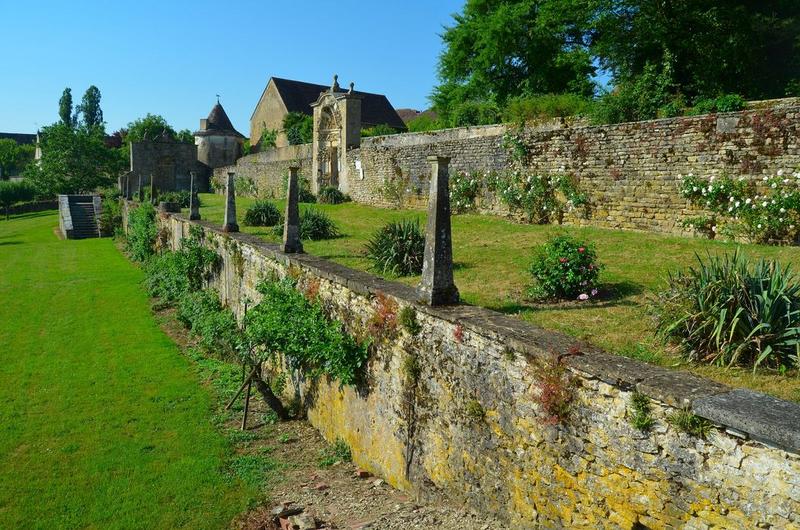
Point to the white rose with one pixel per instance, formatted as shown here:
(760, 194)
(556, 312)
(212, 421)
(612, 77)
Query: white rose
(748, 201)
(764, 204)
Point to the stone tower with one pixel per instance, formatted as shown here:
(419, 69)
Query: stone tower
(218, 143)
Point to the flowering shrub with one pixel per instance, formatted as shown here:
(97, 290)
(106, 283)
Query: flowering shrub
(464, 189)
(565, 268)
(543, 199)
(763, 212)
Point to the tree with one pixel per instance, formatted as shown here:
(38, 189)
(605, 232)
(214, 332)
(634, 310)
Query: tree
(74, 160)
(499, 48)
(152, 127)
(14, 157)
(750, 47)
(90, 108)
(299, 128)
(65, 107)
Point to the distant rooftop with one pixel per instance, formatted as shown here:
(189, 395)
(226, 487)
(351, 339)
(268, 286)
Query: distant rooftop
(217, 124)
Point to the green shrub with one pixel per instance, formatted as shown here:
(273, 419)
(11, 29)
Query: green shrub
(171, 274)
(528, 108)
(214, 325)
(729, 311)
(378, 130)
(331, 195)
(179, 197)
(13, 192)
(473, 112)
(111, 214)
(565, 268)
(725, 103)
(286, 322)
(299, 128)
(305, 195)
(316, 225)
(636, 100)
(263, 213)
(397, 248)
(424, 123)
(142, 232)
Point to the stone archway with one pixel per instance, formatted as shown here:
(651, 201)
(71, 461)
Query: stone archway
(328, 136)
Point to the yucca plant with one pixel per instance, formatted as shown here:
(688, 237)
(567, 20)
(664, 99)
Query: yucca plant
(263, 213)
(728, 311)
(397, 248)
(331, 195)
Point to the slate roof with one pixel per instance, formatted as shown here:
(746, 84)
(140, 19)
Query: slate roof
(299, 95)
(20, 138)
(218, 124)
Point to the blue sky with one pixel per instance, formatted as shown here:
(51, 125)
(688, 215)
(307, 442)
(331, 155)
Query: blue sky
(171, 57)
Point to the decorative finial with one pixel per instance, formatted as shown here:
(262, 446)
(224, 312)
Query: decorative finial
(352, 86)
(217, 99)
(335, 85)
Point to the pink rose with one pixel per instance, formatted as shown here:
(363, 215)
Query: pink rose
(583, 296)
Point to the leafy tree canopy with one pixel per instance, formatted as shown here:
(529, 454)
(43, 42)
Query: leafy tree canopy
(89, 109)
(65, 107)
(501, 49)
(299, 128)
(13, 156)
(74, 160)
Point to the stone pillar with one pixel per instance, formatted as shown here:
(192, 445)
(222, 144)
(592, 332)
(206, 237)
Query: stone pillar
(128, 192)
(230, 206)
(437, 287)
(291, 219)
(153, 190)
(194, 204)
(140, 189)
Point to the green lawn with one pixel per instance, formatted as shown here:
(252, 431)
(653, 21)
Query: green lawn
(103, 424)
(492, 256)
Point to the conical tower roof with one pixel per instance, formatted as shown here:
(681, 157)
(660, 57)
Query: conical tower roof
(218, 124)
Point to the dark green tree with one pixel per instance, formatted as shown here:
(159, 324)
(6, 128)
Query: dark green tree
(502, 48)
(150, 127)
(65, 107)
(12, 192)
(74, 160)
(749, 47)
(89, 109)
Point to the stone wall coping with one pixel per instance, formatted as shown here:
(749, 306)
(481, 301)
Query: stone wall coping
(764, 418)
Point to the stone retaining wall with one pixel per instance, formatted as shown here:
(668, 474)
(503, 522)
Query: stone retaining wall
(469, 427)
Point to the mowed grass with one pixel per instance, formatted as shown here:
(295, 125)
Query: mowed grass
(103, 424)
(492, 256)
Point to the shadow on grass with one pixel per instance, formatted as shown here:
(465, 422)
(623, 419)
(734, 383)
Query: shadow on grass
(610, 295)
(29, 215)
(7, 243)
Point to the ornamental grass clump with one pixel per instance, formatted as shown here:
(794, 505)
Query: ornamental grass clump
(397, 248)
(263, 213)
(331, 195)
(566, 269)
(731, 312)
(316, 225)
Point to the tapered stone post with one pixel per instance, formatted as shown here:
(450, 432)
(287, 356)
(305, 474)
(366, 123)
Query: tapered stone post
(230, 206)
(140, 189)
(194, 204)
(153, 190)
(127, 191)
(291, 221)
(437, 287)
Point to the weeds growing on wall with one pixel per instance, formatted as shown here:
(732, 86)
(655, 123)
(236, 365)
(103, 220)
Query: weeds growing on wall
(641, 412)
(397, 248)
(408, 319)
(384, 321)
(686, 421)
(555, 390)
(142, 232)
(730, 311)
(337, 452)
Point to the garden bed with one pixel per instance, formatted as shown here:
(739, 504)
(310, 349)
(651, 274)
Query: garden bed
(492, 256)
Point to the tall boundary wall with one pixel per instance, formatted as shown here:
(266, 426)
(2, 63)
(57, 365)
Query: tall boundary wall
(264, 174)
(469, 427)
(629, 171)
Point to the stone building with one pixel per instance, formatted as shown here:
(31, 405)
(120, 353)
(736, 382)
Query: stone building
(282, 96)
(168, 162)
(218, 143)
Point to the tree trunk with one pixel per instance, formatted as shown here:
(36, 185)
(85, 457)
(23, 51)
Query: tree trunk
(270, 397)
